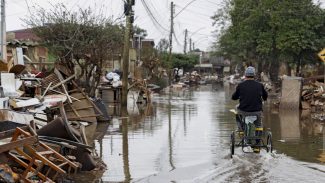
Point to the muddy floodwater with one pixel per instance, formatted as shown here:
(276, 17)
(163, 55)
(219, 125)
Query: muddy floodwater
(184, 137)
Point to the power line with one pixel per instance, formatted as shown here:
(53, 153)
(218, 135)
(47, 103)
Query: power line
(18, 4)
(213, 2)
(178, 43)
(28, 7)
(14, 14)
(199, 33)
(196, 31)
(197, 13)
(155, 21)
(185, 7)
(154, 9)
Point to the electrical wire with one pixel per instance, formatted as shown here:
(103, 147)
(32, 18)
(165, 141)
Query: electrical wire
(197, 13)
(28, 7)
(154, 9)
(154, 20)
(178, 43)
(185, 7)
(213, 3)
(18, 4)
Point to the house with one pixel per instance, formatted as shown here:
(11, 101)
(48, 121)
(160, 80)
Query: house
(220, 64)
(23, 47)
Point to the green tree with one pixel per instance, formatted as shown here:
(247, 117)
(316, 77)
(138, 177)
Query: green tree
(180, 61)
(163, 45)
(266, 31)
(81, 38)
(185, 61)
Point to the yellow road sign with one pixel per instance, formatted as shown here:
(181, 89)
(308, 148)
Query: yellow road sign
(321, 55)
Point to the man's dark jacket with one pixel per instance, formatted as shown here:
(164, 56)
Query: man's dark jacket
(250, 94)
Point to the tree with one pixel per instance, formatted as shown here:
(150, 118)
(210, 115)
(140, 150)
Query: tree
(266, 31)
(186, 62)
(139, 31)
(80, 38)
(300, 29)
(163, 45)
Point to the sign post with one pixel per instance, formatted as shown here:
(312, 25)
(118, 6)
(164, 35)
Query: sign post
(321, 55)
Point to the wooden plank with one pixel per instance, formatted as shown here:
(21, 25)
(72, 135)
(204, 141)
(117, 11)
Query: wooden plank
(28, 169)
(58, 74)
(83, 93)
(48, 157)
(63, 164)
(81, 117)
(83, 134)
(21, 152)
(84, 101)
(25, 165)
(49, 163)
(32, 131)
(59, 155)
(18, 143)
(43, 153)
(36, 63)
(64, 94)
(47, 88)
(23, 132)
(63, 82)
(9, 133)
(82, 108)
(74, 111)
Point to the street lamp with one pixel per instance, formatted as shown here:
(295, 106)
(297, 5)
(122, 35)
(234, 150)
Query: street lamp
(139, 37)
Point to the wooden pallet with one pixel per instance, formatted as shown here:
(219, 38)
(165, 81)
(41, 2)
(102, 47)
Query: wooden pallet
(56, 164)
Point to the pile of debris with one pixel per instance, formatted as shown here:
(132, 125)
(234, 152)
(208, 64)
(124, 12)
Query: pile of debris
(43, 127)
(192, 78)
(140, 89)
(313, 99)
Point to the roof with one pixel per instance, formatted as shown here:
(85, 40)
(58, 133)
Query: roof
(22, 42)
(22, 34)
(150, 42)
(203, 66)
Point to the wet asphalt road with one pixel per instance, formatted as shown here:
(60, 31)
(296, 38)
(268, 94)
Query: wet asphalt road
(184, 137)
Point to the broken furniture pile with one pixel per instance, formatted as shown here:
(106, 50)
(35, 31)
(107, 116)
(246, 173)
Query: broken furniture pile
(313, 98)
(192, 78)
(32, 159)
(44, 126)
(140, 87)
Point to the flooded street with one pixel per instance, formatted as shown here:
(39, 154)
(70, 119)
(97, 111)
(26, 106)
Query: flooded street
(184, 137)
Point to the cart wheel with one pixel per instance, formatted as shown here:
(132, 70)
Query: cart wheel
(269, 146)
(232, 144)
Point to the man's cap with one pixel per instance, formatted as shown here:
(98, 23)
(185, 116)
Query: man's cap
(250, 71)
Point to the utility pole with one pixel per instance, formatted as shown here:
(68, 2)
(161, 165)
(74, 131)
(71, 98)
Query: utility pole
(190, 44)
(193, 46)
(171, 37)
(185, 42)
(3, 42)
(128, 26)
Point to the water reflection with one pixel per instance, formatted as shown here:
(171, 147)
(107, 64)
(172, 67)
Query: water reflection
(125, 146)
(184, 119)
(289, 124)
(295, 133)
(185, 134)
(170, 138)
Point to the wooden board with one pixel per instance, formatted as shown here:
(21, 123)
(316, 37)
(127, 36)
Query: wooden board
(17, 117)
(17, 144)
(52, 78)
(81, 110)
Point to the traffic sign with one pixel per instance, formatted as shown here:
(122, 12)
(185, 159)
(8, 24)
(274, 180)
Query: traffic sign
(321, 55)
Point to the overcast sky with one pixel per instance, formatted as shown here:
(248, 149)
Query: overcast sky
(195, 18)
